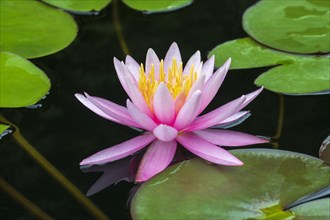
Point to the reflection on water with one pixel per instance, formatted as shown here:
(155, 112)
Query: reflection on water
(65, 132)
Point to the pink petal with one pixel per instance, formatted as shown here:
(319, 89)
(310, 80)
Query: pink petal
(93, 108)
(135, 95)
(198, 85)
(208, 68)
(165, 133)
(152, 59)
(212, 118)
(193, 61)
(114, 113)
(229, 138)
(158, 156)
(118, 109)
(234, 117)
(173, 52)
(251, 96)
(207, 150)
(179, 101)
(212, 86)
(120, 73)
(233, 120)
(163, 104)
(119, 151)
(133, 67)
(188, 111)
(143, 120)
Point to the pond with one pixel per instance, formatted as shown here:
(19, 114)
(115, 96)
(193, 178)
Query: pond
(64, 131)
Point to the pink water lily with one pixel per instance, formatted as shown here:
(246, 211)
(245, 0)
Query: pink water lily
(165, 100)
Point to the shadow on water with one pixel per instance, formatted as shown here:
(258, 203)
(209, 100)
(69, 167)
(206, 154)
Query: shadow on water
(65, 132)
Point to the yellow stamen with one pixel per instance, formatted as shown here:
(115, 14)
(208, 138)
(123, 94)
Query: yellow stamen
(176, 82)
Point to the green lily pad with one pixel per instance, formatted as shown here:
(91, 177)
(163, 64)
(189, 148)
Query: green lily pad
(247, 53)
(268, 181)
(81, 5)
(157, 6)
(304, 75)
(317, 209)
(294, 74)
(300, 26)
(21, 82)
(3, 128)
(32, 29)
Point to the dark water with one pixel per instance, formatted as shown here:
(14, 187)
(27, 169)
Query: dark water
(64, 131)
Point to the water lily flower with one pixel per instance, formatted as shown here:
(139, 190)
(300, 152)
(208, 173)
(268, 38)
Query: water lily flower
(165, 101)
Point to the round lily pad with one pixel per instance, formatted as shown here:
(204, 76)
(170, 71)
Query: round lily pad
(81, 5)
(293, 74)
(148, 6)
(304, 75)
(21, 82)
(3, 128)
(268, 181)
(33, 29)
(247, 53)
(301, 26)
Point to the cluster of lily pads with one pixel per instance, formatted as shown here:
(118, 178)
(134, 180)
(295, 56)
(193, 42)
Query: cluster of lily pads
(31, 29)
(293, 38)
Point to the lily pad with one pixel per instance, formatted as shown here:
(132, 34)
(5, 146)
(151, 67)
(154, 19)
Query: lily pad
(4, 130)
(3, 127)
(304, 75)
(317, 209)
(247, 53)
(301, 26)
(33, 29)
(21, 82)
(148, 6)
(293, 75)
(269, 181)
(81, 5)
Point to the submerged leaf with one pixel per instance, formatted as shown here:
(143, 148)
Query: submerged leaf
(33, 29)
(300, 26)
(193, 189)
(21, 82)
(324, 152)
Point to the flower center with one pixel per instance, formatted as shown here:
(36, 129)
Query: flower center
(176, 82)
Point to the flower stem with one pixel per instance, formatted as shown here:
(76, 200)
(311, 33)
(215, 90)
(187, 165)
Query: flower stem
(280, 120)
(62, 180)
(23, 201)
(118, 29)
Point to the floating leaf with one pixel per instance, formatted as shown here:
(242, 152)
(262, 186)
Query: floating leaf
(21, 82)
(304, 75)
(269, 181)
(4, 130)
(33, 29)
(81, 5)
(297, 75)
(247, 53)
(317, 209)
(300, 26)
(157, 6)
